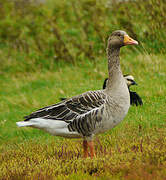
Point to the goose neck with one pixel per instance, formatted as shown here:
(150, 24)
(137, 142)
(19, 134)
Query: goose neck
(113, 57)
(115, 74)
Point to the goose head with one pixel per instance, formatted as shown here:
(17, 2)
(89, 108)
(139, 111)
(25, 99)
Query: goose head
(129, 80)
(120, 38)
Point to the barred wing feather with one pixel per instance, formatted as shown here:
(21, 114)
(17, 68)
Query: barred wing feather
(86, 124)
(70, 108)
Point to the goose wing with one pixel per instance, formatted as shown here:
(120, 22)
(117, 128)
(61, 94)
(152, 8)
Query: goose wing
(87, 123)
(69, 109)
(135, 99)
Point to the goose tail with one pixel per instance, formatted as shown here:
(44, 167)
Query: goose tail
(24, 123)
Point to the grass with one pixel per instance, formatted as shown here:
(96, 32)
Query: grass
(135, 149)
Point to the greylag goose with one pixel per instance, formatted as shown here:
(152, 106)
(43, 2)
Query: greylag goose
(92, 112)
(135, 99)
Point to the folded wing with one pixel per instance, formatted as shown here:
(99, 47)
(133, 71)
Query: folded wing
(69, 109)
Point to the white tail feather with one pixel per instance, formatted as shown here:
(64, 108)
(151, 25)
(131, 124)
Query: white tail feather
(57, 128)
(24, 123)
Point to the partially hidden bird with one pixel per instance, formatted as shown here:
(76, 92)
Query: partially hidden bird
(135, 99)
(93, 112)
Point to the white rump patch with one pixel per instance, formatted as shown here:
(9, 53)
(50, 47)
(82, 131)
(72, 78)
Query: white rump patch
(54, 127)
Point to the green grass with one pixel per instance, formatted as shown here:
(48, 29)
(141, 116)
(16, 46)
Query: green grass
(135, 149)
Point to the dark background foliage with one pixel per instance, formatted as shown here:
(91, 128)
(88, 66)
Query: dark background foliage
(75, 30)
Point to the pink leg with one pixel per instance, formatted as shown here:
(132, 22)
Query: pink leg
(85, 148)
(91, 147)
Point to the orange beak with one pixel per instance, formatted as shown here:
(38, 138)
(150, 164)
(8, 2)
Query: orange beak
(129, 41)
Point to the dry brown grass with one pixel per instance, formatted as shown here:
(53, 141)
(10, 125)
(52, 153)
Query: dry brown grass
(123, 155)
